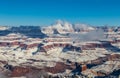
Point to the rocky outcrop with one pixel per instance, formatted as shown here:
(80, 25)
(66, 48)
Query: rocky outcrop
(59, 27)
(65, 47)
(22, 71)
(59, 68)
(101, 61)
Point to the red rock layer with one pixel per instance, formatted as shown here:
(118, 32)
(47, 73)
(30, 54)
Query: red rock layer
(59, 68)
(22, 71)
(83, 67)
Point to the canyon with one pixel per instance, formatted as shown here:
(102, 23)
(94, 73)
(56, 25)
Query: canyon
(59, 50)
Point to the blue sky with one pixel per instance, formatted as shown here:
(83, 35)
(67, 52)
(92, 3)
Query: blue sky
(45, 12)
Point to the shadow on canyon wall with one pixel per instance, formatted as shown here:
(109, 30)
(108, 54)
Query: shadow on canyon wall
(110, 47)
(30, 31)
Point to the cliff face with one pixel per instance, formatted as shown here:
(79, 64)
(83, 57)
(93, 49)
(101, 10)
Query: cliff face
(102, 62)
(28, 50)
(65, 46)
(61, 67)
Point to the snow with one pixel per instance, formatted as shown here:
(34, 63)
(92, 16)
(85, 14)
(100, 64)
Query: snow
(16, 56)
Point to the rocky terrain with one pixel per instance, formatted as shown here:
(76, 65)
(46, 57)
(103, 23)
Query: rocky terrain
(62, 50)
